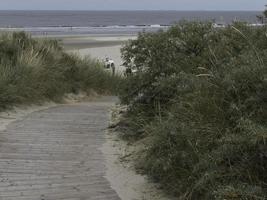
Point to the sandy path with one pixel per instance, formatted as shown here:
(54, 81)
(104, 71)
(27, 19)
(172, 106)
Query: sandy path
(17, 113)
(123, 178)
(44, 151)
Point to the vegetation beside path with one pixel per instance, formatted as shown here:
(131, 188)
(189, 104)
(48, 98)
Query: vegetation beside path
(37, 70)
(198, 102)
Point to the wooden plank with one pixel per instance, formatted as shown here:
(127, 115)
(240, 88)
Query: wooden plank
(54, 154)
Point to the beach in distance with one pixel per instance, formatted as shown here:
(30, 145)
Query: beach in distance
(101, 34)
(98, 47)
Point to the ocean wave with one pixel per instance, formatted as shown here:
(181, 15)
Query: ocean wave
(69, 30)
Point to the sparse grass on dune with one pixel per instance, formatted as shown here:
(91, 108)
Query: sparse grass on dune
(34, 70)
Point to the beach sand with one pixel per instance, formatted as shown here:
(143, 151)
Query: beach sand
(98, 47)
(121, 173)
(92, 41)
(120, 162)
(101, 53)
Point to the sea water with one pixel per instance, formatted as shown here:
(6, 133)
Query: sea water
(110, 22)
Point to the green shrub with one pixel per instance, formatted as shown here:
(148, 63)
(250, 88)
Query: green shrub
(201, 94)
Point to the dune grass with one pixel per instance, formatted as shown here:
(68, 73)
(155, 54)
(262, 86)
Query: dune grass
(36, 70)
(199, 103)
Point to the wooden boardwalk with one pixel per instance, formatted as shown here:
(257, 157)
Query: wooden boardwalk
(55, 154)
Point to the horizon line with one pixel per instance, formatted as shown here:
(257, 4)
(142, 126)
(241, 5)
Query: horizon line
(192, 10)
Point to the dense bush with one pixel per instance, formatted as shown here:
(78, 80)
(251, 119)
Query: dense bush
(34, 70)
(199, 98)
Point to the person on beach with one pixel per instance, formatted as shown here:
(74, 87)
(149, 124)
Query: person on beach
(109, 63)
(113, 68)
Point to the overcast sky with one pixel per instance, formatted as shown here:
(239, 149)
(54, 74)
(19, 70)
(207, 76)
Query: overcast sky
(132, 4)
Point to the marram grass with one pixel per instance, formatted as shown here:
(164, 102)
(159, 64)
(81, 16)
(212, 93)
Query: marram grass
(35, 70)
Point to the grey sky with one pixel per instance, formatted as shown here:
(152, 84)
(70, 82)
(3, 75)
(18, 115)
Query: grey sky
(132, 4)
